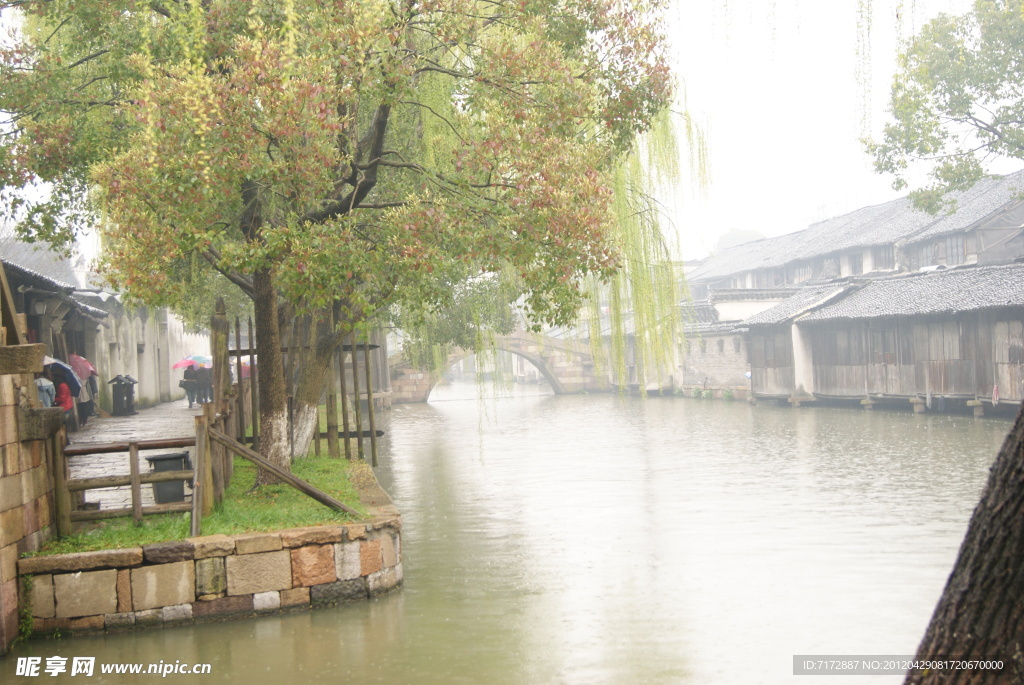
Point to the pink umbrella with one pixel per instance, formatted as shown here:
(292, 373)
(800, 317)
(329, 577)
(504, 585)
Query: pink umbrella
(185, 362)
(82, 366)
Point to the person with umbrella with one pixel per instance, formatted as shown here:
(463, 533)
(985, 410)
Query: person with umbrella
(190, 383)
(64, 399)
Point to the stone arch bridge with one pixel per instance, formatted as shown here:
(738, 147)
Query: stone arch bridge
(567, 365)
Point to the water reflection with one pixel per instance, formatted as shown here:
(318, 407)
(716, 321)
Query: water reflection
(603, 539)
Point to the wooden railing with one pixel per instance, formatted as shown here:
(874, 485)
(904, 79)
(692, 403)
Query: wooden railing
(64, 486)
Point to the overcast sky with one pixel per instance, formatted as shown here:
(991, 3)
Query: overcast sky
(775, 84)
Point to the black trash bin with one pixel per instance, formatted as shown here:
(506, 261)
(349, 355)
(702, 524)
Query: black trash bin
(124, 395)
(172, 490)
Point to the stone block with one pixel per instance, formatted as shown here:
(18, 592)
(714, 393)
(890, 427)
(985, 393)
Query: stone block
(124, 590)
(380, 582)
(9, 419)
(254, 543)
(119, 620)
(12, 526)
(168, 552)
(41, 597)
(178, 613)
(86, 593)
(211, 577)
(52, 625)
(149, 617)
(210, 598)
(225, 606)
(212, 546)
(10, 492)
(296, 597)
(346, 560)
(370, 560)
(87, 624)
(388, 550)
(30, 518)
(163, 585)
(313, 565)
(8, 563)
(33, 483)
(312, 535)
(338, 591)
(262, 572)
(355, 531)
(82, 561)
(266, 601)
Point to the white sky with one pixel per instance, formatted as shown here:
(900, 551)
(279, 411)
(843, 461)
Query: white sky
(774, 83)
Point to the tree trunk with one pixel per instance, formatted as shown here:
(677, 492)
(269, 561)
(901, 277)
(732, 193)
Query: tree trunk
(273, 399)
(324, 342)
(981, 612)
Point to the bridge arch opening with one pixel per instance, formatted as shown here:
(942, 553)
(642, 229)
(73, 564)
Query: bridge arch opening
(507, 372)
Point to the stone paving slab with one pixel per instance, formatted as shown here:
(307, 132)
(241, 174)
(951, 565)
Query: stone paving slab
(168, 420)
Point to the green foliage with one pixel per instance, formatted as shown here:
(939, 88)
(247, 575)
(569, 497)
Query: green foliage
(727, 394)
(956, 101)
(697, 393)
(368, 153)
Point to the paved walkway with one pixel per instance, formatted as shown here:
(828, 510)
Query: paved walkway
(169, 420)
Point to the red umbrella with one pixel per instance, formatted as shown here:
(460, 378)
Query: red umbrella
(82, 366)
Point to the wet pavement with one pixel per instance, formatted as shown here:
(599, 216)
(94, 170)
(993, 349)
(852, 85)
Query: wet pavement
(163, 421)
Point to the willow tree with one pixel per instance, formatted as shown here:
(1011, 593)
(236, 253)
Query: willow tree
(335, 158)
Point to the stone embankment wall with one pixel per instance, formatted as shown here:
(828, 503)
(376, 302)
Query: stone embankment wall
(26, 488)
(212, 577)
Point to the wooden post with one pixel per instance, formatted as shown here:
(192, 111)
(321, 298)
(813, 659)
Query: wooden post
(239, 393)
(369, 403)
(62, 496)
(207, 471)
(215, 456)
(290, 387)
(219, 329)
(202, 442)
(356, 398)
(133, 464)
(332, 409)
(254, 405)
(344, 404)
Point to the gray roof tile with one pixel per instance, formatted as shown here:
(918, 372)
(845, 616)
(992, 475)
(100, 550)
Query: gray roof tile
(935, 293)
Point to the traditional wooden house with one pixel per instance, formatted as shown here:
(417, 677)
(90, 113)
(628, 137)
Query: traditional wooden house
(950, 335)
(69, 319)
(987, 227)
(984, 227)
(779, 355)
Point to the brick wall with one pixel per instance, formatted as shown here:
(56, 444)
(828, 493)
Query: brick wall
(715, 360)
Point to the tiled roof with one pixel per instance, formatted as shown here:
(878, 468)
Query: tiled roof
(985, 199)
(799, 303)
(938, 292)
(884, 224)
(37, 279)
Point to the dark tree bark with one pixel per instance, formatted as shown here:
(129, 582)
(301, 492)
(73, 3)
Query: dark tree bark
(981, 612)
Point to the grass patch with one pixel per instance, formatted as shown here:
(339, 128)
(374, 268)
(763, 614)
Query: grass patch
(271, 507)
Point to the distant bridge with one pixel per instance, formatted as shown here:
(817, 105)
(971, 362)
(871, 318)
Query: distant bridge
(568, 366)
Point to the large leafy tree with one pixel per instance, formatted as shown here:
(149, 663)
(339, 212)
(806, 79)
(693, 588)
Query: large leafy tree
(957, 101)
(333, 158)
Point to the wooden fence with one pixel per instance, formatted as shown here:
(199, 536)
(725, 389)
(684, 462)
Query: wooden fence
(66, 511)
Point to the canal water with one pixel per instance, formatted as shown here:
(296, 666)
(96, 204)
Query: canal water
(604, 539)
